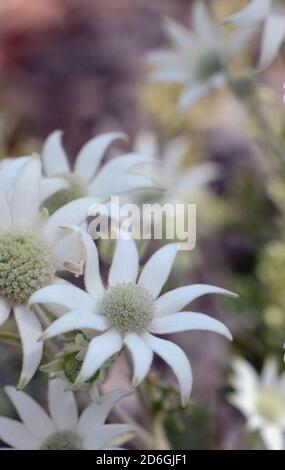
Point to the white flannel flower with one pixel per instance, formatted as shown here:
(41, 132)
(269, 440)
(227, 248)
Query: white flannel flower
(262, 400)
(272, 14)
(63, 429)
(128, 312)
(198, 60)
(117, 176)
(33, 247)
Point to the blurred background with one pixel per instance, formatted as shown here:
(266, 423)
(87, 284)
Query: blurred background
(78, 65)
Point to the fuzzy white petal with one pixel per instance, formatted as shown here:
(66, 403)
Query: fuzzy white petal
(25, 197)
(55, 161)
(97, 413)
(142, 356)
(99, 350)
(31, 413)
(50, 186)
(66, 295)
(175, 300)
(254, 12)
(9, 172)
(273, 36)
(92, 277)
(5, 219)
(73, 213)
(273, 437)
(202, 22)
(185, 321)
(92, 153)
(15, 434)
(269, 375)
(103, 436)
(192, 94)
(30, 329)
(69, 254)
(5, 309)
(157, 269)
(181, 36)
(177, 360)
(125, 264)
(62, 405)
(75, 320)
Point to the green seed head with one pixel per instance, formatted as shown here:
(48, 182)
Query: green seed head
(128, 307)
(26, 264)
(63, 440)
(208, 65)
(75, 191)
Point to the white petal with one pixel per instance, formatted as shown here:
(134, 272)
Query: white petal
(31, 413)
(9, 171)
(245, 378)
(104, 184)
(5, 309)
(181, 36)
(175, 300)
(92, 153)
(62, 405)
(30, 329)
(273, 438)
(202, 22)
(120, 185)
(273, 36)
(25, 197)
(55, 161)
(177, 360)
(92, 277)
(184, 321)
(5, 219)
(15, 434)
(75, 320)
(125, 264)
(102, 436)
(141, 356)
(97, 413)
(69, 254)
(156, 271)
(50, 186)
(99, 350)
(73, 213)
(192, 94)
(255, 11)
(66, 295)
(269, 374)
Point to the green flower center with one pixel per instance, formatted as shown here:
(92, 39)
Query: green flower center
(26, 264)
(208, 64)
(63, 440)
(128, 307)
(271, 405)
(76, 190)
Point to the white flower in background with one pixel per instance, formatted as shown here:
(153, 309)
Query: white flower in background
(117, 176)
(63, 429)
(33, 247)
(262, 400)
(272, 14)
(178, 182)
(198, 60)
(129, 312)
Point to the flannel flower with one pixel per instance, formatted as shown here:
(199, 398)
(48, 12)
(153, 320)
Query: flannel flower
(63, 429)
(33, 247)
(272, 14)
(128, 312)
(117, 176)
(198, 60)
(261, 400)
